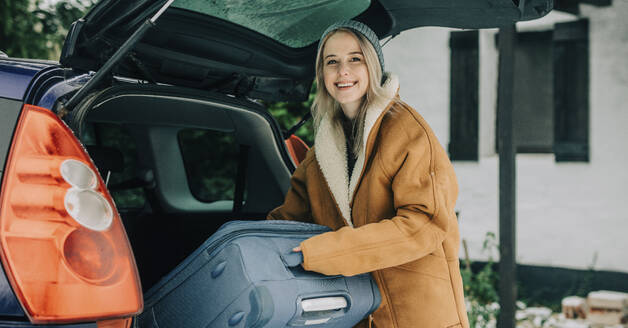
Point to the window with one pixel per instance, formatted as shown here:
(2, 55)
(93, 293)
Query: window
(533, 98)
(571, 91)
(463, 97)
(115, 154)
(551, 93)
(295, 23)
(215, 165)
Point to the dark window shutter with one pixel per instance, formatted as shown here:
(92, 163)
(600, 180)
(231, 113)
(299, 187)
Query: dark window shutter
(533, 97)
(571, 91)
(463, 99)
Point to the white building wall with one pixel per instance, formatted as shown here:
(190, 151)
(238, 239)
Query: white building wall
(568, 214)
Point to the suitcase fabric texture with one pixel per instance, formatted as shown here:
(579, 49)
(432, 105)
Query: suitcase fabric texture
(246, 275)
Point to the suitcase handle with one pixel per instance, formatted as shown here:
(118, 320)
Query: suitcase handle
(324, 304)
(292, 259)
(319, 310)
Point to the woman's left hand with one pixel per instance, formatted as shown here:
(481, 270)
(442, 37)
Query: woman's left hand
(297, 249)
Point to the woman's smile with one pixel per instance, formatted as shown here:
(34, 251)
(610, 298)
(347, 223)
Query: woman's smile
(345, 85)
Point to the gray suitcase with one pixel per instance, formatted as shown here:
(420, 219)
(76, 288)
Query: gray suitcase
(245, 275)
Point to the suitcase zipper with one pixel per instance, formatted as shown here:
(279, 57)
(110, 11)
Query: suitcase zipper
(232, 235)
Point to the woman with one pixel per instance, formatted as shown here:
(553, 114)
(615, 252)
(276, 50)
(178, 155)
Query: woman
(379, 178)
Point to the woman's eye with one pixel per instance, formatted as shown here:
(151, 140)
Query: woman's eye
(356, 59)
(331, 62)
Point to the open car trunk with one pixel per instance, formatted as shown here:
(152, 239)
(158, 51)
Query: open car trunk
(179, 164)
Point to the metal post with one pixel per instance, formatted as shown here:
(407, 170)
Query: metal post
(507, 179)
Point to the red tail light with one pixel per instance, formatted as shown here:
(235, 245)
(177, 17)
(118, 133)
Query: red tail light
(63, 246)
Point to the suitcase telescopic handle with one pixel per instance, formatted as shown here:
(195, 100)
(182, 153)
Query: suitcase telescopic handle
(324, 304)
(320, 310)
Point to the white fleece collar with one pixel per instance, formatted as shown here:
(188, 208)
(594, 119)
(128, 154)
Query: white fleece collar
(331, 151)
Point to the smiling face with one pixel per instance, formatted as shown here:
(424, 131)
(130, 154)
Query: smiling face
(344, 71)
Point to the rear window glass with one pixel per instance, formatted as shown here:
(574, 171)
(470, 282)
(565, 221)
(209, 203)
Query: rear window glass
(211, 163)
(295, 23)
(126, 190)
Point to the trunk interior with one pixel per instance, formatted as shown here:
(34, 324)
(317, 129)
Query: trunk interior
(179, 164)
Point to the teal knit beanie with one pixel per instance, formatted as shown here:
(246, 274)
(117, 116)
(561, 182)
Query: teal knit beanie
(359, 28)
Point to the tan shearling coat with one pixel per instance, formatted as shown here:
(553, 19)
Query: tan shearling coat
(393, 217)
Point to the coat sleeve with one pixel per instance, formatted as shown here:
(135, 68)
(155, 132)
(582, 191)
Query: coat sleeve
(296, 205)
(424, 196)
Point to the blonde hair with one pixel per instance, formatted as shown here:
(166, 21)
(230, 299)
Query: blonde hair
(325, 105)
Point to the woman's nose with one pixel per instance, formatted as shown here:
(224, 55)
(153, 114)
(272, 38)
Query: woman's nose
(343, 69)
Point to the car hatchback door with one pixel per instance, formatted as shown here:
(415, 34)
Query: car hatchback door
(258, 49)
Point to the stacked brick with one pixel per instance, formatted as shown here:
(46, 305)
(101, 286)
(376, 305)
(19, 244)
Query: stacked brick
(600, 309)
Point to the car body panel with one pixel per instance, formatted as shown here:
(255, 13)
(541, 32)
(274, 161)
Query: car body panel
(51, 83)
(17, 76)
(55, 87)
(9, 113)
(9, 305)
(37, 82)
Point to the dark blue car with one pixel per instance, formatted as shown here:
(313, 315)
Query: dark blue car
(148, 134)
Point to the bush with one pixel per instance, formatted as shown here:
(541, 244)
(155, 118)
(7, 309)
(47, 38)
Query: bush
(36, 28)
(480, 288)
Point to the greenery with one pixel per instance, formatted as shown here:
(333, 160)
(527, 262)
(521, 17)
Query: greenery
(37, 28)
(480, 287)
(211, 162)
(290, 113)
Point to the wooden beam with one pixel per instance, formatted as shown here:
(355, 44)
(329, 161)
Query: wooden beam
(507, 178)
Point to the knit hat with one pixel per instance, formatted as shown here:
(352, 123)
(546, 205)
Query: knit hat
(360, 28)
